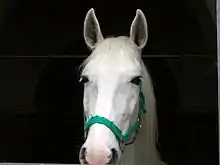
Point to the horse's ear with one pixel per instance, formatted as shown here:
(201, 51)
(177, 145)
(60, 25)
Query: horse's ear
(92, 32)
(138, 30)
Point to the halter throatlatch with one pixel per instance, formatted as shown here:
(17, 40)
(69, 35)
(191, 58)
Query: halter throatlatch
(123, 138)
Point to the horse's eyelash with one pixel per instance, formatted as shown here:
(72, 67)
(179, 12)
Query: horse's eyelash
(136, 77)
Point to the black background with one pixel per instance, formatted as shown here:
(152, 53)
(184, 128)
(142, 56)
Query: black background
(42, 47)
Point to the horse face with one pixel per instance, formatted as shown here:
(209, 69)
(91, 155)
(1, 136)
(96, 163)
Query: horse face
(111, 78)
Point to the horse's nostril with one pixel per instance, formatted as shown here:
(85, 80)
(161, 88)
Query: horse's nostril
(113, 157)
(82, 153)
(82, 156)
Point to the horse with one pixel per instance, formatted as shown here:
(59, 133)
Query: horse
(120, 120)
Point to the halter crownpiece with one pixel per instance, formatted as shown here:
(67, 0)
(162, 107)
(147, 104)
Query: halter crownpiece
(132, 131)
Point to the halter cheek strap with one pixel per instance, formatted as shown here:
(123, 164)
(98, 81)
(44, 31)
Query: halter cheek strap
(124, 138)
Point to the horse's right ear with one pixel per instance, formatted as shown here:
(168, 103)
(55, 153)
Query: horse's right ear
(138, 30)
(92, 31)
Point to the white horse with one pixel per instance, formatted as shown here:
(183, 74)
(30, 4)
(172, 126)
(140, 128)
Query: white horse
(117, 91)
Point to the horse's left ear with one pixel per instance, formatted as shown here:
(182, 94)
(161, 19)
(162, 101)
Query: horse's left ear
(92, 31)
(138, 31)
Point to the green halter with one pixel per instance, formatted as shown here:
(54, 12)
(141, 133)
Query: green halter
(124, 138)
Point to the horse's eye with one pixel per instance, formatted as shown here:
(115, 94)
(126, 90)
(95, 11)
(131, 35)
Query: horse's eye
(83, 79)
(136, 80)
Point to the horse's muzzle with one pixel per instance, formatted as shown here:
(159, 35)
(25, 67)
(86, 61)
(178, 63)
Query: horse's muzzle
(103, 158)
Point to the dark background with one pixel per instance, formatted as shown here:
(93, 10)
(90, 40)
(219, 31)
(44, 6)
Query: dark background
(42, 47)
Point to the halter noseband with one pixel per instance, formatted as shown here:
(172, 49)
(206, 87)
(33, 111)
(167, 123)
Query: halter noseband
(132, 131)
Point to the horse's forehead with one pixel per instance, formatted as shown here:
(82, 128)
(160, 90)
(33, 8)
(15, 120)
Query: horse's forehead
(115, 62)
(114, 57)
(114, 66)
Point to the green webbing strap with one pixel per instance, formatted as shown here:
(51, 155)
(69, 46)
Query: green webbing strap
(107, 123)
(113, 127)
